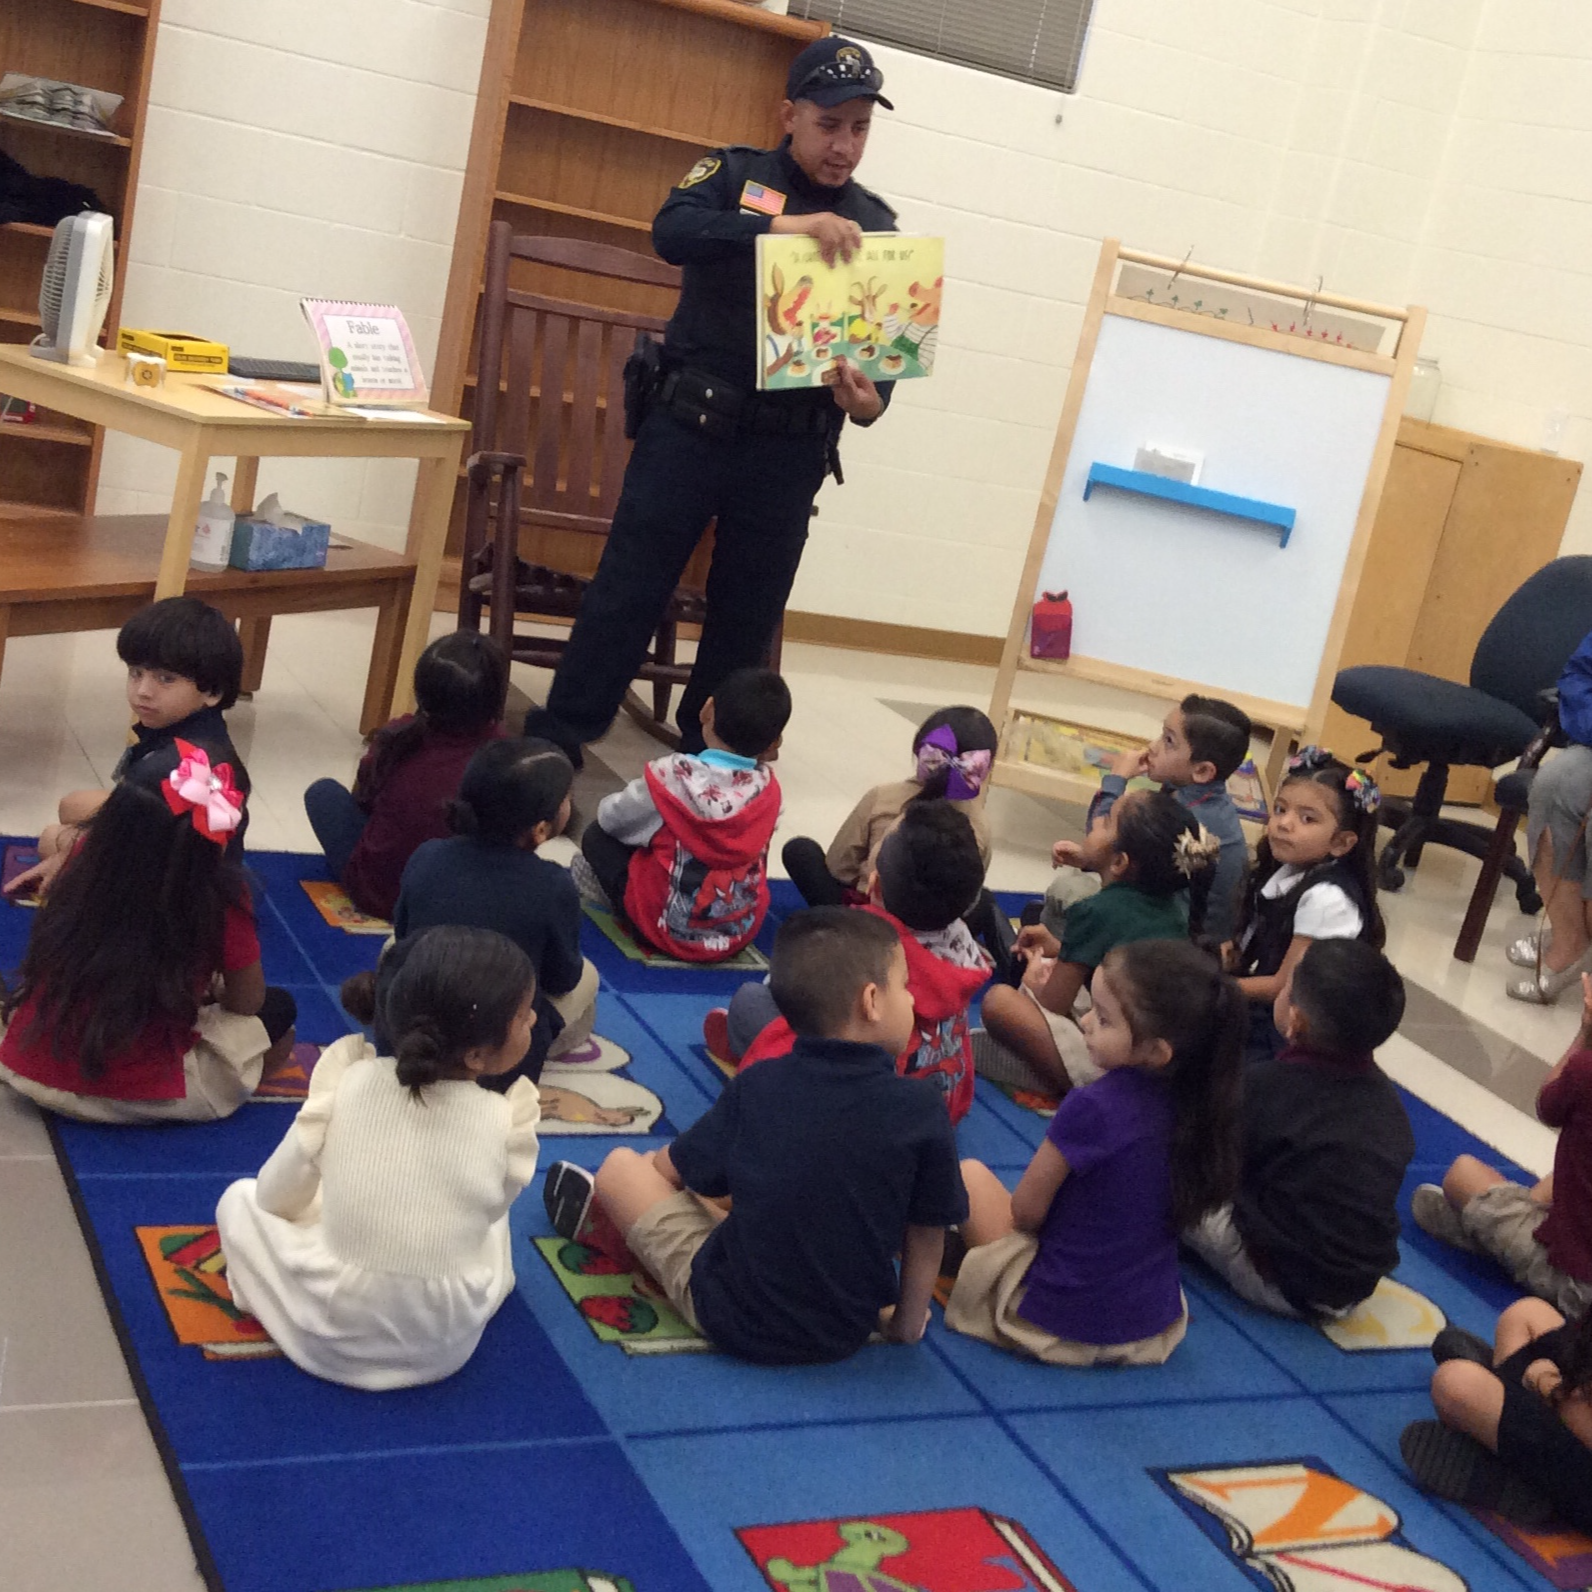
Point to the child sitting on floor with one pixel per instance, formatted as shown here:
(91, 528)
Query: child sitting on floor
(1314, 879)
(184, 670)
(928, 874)
(1542, 1236)
(411, 771)
(1514, 1427)
(514, 797)
(141, 997)
(1200, 746)
(374, 1244)
(1079, 1265)
(682, 852)
(1148, 850)
(1326, 1143)
(954, 750)
(831, 1163)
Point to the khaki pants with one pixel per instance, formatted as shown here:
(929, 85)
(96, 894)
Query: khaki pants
(578, 1009)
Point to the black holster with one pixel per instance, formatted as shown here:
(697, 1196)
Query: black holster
(643, 375)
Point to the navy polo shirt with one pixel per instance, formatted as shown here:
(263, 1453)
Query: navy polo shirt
(828, 1156)
(152, 756)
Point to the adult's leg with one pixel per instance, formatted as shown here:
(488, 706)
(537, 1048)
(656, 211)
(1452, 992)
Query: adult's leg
(809, 872)
(669, 495)
(763, 513)
(338, 822)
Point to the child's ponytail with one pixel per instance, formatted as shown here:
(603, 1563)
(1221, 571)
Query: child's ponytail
(444, 992)
(955, 749)
(1175, 991)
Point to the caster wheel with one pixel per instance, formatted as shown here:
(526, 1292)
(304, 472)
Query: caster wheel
(1389, 878)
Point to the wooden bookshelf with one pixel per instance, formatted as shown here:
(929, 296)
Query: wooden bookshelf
(53, 464)
(589, 111)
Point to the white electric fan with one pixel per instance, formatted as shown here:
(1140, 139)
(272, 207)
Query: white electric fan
(76, 291)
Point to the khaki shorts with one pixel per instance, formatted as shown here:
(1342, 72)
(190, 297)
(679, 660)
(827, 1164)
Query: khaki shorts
(666, 1239)
(990, 1287)
(1068, 1039)
(1502, 1221)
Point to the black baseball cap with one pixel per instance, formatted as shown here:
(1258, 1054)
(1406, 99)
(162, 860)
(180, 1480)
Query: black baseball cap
(831, 71)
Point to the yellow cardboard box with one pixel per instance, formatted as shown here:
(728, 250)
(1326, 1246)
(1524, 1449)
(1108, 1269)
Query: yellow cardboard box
(182, 351)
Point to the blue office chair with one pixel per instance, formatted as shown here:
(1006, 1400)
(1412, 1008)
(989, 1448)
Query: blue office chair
(1495, 719)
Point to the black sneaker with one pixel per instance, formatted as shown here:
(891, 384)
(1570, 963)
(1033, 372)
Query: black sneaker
(567, 1196)
(1457, 1467)
(1455, 1343)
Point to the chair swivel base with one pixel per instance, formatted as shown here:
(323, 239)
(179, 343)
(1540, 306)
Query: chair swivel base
(1413, 831)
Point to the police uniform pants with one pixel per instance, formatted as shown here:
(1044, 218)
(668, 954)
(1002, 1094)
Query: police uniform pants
(760, 490)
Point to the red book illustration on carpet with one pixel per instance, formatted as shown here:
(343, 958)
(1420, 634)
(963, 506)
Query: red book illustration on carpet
(932, 1550)
(190, 1275)
(619, 1306)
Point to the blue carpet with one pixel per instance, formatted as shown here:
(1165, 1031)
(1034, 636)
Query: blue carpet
(555, 1452)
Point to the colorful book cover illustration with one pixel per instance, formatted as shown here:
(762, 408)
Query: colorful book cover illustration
(18, 859)
(366, 353)
(1087, 753)
(289, 1078)
(190, 1275)
(332, 902)
(747, 960)
(619, 1306)
(1297, 1526)
(880, 309)
(932, 1550)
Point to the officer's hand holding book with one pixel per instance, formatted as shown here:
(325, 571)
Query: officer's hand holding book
(833, 234)
(855, 392)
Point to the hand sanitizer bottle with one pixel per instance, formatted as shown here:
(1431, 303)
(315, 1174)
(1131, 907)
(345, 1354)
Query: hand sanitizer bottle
(212, 540)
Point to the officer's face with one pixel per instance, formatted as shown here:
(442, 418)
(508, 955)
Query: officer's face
(827, 141)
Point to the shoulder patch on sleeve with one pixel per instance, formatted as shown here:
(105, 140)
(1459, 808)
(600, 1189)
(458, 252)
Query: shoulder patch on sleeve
(700, 172)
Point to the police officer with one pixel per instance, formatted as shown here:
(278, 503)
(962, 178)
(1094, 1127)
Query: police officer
(713, 448)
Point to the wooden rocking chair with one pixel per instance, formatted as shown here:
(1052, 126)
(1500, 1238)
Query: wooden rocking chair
(549, 452)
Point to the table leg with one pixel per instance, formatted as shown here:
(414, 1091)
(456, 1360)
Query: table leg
(428, 536)
(5, 630)
(244, 477)
(254, 634)
(180, 527)
(383, 676)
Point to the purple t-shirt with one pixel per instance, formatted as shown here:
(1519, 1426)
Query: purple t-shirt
(1106, 1271)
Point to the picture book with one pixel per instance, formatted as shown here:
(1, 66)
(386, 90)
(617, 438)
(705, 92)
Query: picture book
(332, 902)
(880, 310)
(367, 355)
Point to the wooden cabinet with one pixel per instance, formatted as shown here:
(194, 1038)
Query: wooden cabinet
(51, 465)
(589, 111)
(1462, 522)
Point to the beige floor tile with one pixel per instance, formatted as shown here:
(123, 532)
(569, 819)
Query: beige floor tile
(22, 1128)
(84, 1502)
(58, 1344)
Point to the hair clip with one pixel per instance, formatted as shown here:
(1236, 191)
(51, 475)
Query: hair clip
(1193, 853)
(1309, 758)
(193, 786)
(1362, 790)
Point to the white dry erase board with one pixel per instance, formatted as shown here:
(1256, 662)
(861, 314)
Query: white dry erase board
(1240, 582)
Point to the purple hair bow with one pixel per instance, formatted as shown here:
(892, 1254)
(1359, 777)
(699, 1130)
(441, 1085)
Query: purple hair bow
(968, 770)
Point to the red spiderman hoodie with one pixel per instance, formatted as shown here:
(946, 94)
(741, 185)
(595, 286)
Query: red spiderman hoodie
(944, 976)
(699, 888)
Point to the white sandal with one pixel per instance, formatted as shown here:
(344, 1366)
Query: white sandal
(1525, 951)
(1544, 987)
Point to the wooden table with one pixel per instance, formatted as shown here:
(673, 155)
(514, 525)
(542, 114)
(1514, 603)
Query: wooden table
(185, 415)
(61, 573)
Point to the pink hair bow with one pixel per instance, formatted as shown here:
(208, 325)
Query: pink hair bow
(208, 793)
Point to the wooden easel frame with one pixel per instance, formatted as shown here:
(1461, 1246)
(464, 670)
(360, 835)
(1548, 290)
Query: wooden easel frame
(1286, 721)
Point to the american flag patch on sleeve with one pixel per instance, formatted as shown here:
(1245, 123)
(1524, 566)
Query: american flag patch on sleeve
(754, 196)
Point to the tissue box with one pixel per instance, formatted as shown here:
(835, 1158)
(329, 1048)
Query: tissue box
(290, 542)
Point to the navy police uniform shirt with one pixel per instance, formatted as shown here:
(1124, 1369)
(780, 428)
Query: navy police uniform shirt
(707, 228)
(828, 1155)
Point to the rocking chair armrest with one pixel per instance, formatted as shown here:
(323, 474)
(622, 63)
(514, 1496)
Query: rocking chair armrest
(482, 466)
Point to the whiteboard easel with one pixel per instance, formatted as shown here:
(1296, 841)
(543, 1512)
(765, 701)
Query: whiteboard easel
(1175, 597)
